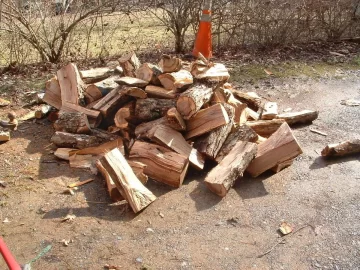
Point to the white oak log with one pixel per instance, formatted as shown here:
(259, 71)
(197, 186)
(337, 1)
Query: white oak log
(72, 123)
(71, 85)
(135, 92)
(144, 130)
(95, 75)
(302, 117)
(265, 127)
(130, 81)
(68, 140)
(129, 63)
(53, 93)
(222, 177)
(101, 149)
(176, 81)
(149, 73)
(159, 92)
(152, 108)
(96, 91)
(175, 120)
(170, 64)
(94, 117)
(213, 72)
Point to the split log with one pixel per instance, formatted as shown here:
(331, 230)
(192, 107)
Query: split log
(129, 63)
(162, 164)
(170, 64)
(94, 117)
(206, 120)
(68, 140)
(125, 114)
(110, 105)
(278, 168)
(135, 92)
(218, 96)
(176, 81)
(63, 153)
(96, 91)
(83, 161)
(270, 111)
(4, 136)
(130, 81)
(342, 149)
(159, 92)
(280, 147)
(72, 123)
(151, 108)
(111, 187)
(253, 115)
(53, 93)
(130, 187)
(100, 150)
(175, 120)
(254, 103)
(210, 144)
(222, 177)
(95, 75)
(213, 72)
(138, 168)
(174, 140)
(241, 133)
(144, 130)
(71, 85)
(265, 127)
(106, 99)
(103, 136)
(42, 111)
(302, 117)
(149, 73)
(191, 101)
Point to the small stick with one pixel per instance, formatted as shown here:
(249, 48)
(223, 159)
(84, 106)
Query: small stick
(78, 184)
(318, 132)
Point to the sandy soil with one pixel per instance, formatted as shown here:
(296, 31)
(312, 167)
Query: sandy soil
(191, 228)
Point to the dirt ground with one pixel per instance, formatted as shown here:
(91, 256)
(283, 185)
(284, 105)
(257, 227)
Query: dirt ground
(191, 228)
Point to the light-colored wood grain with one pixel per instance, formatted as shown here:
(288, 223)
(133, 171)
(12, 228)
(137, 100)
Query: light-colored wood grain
(159, 92)
(53, 93)
(176, 81)
(302, 117)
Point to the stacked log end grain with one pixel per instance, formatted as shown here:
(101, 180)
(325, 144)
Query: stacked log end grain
(157, 120)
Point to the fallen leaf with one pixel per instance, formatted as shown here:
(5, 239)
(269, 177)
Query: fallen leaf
(268, 72)
(285, 228)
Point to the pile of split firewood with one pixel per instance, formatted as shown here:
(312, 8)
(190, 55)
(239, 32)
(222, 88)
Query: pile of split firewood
(142, 120)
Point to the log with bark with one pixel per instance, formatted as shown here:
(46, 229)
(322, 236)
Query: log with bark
(71, 85)
(176, 81)
(240, 133)
(265, 127)
(254, 103)
(342, 149)
(53, 93)
(144, 130)
(72, 122)
(101, 149)
(159, 92)
(222, 177)
(152, 108)
(95, 75)
(168, 137)
(42, 111)
(213, 73)
(149, 73)
(110, 185)
(303, 117)
(162, 165)
(130, 81)
(83, 161)
(175, 120)
(129, 186)
(191, 101)
(206, 120)
(68, 140)
(94, 117)
(96, 91)
(135, 92)
(64, 153)
(280, 147)
(125, 114)
(170, 64)
(211, 143)
(270, 111)
(129, 63)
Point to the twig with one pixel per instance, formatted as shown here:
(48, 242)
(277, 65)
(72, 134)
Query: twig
(318, 132)
(78, 184)
(284, 238)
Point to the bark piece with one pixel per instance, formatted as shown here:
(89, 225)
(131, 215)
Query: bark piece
(168, 137)
(162, 164)
(94, 117)
(265, 127)
(95, 75)
(280, 147)
(130, 187)
(240, 133)
(302, 117)
(149, 73)
(53, 93)
(191, 101)
(175, 120)
(342, 149)
(111, 187)
(159, 92)
(72, 123)
(68, 140)
(270, 111)
(130, 81)
(71, 85)
(129, 63)
(96, 91)
(210, 144)
(206, 120)
(151, 108)
(222, 177)
(170, 64)
(176, 81)
(63, 153)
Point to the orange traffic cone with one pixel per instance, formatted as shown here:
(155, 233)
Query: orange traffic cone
(203, 42)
